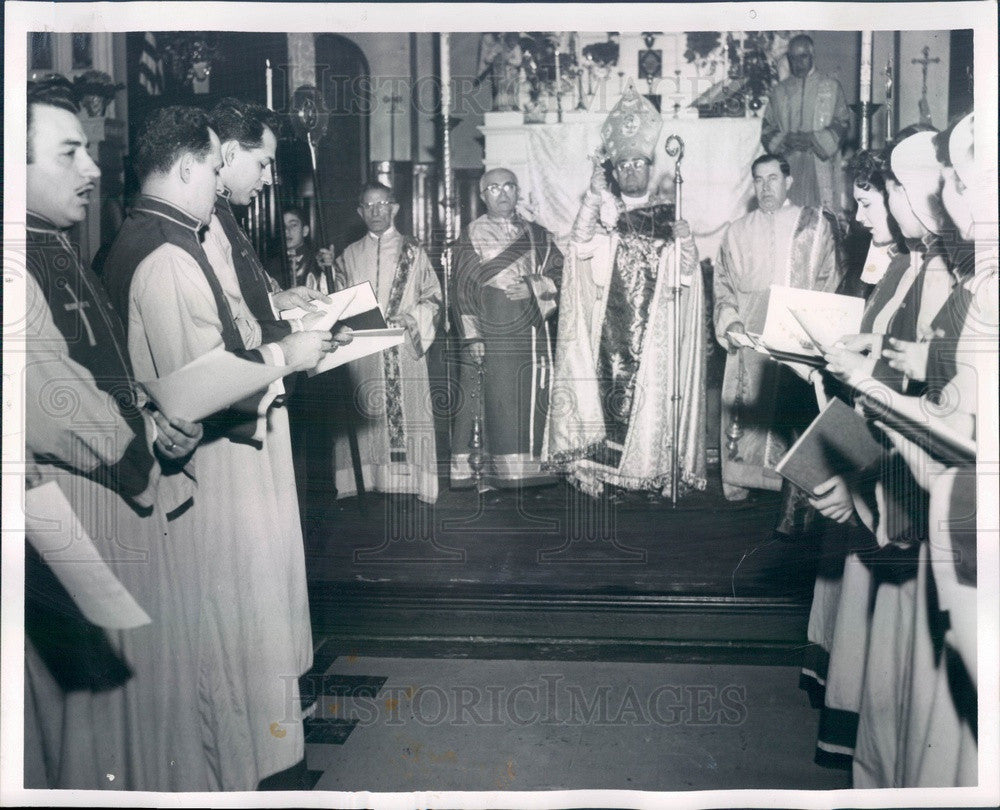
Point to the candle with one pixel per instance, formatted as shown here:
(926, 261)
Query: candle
(865, 90)
(445, 56)
(269, 77)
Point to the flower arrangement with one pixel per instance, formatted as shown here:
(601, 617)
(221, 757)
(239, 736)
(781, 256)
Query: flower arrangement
(192, 55)
(701, 44)
(603, 54)
(95, 89)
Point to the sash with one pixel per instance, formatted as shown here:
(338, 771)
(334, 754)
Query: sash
(504, 259)
(390, 357)
(253, 280)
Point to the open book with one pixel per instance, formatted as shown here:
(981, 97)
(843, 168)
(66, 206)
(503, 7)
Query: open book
(806, 322)
(210, 384)
(362, 314)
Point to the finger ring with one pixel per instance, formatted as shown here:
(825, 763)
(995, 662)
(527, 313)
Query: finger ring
(171, 445)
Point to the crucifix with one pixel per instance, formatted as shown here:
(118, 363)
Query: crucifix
(393, 99)
(923, 105)
(78, 306)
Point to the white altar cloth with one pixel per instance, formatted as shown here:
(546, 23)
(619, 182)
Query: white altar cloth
(553, 167)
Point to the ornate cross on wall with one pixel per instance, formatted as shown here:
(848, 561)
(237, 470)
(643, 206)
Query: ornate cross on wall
(923, 105)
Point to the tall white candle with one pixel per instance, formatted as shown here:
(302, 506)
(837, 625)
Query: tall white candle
(445, 68)
(865, 85)
(558, 77)
(269, 77)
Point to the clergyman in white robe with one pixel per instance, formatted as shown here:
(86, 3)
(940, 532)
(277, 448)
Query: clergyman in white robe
(390, 390)
(255, 635)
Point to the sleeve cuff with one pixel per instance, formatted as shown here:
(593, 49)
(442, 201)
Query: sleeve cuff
(272, 354)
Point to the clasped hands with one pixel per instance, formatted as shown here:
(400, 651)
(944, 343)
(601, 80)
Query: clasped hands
(799, 142)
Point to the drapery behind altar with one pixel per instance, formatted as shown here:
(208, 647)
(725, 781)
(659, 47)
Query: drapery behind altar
(553, 167)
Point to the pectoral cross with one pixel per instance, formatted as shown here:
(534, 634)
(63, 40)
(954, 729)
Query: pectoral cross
(924, 105)
(78, 306)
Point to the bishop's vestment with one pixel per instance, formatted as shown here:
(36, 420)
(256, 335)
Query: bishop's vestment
(615, 359)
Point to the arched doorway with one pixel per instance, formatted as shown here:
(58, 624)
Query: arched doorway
(342, 77)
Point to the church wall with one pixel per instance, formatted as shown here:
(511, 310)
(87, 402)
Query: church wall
(401, 64)
(468, 104)
(911, 45)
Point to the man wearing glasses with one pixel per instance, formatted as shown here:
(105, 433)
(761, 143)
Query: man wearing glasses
(507, 277)
(614, 362)
(391, 389)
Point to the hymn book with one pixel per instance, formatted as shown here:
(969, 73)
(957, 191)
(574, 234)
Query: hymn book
(54, 531)
(803, 322)
(838, 442)
(370, 332)
(210, 384)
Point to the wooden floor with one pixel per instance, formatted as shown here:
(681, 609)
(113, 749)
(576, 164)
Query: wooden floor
(553, 572)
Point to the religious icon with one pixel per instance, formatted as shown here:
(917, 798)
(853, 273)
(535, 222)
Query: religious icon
(650, 60)
(83, 51)
(41, 50)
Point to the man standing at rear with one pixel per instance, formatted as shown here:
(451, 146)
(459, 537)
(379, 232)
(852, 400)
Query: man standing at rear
(806, 121)
(507, 279)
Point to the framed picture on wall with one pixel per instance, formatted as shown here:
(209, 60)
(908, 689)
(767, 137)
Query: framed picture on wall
(83, 51)
(40, 44)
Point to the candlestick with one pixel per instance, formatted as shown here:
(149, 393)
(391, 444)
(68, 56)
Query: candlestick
(558, 88)
(269, 79)
(865, 89)
(888, 102)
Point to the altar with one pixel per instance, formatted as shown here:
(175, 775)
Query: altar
(553, 166)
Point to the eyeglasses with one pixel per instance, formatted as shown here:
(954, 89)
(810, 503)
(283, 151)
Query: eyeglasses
(635, 164)
(495, 188)
(381, 205)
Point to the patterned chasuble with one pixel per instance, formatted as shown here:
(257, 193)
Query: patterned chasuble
(390, 357)
(633, 284)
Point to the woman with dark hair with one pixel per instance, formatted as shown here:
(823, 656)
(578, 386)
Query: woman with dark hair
(892, 659)
(839, 621)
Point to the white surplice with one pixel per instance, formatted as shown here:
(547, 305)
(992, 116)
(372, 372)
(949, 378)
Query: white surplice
(243, 530)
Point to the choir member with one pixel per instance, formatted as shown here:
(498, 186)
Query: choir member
(242, 530)
(104, 708)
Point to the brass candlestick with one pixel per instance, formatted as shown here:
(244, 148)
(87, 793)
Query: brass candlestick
(477, 457)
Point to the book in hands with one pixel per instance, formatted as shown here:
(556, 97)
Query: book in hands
(55, 532)
(756, 342)
(209, 384)
(804, 322)
(838, 442)
(340, 302)
(370, 331)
